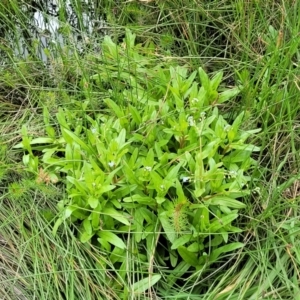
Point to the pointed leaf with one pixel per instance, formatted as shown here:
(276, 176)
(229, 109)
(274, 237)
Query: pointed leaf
(227, 248)
(85, 237)
(144, 284)
(112, 239)
(168, 228)
(216, 80)
(135, 114)
(204, 80)
(116, 215)
(226, 201)
(114, 108)
(77, 140)
(181, 241)
(187, 256)
(93, 202)
(228, 94)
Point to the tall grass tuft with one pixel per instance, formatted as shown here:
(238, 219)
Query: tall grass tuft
(256, 44)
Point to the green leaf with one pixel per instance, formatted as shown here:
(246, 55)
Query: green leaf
(95, 217)
(227, 248)
(160, 200)
(68, 212)
(49, 129)
(210, 149)
(168, 228)
(116, 215)
(114, 108)
(204, 80)
(199, 173)
(77, 140)
(87, 226)
(130, 175)
(110, 49)
(181, 241)
(58, 222)
(93, 202)
(121, 138)
(157, 181)
(138, 222)
(88, 176)
(79, 185)
(133, 158)
(179, 271)
(105, 188)
(117, 255)
(61, 118)
(68, 153)
(144, 284)
(245, 147)
(129, 39)
(173, 258)
(149, 216)
(104, 244)
(42, 140)
(149, 161)
(26, 159)
(225, 201)
(140, 199)
(19, 146)
(85, 237)
(196, 247)
(25, 139)
(135, 114)
(179, 192)
(221, 222)
(216, 80)
(236, 156)
(228, 94)
(232, 133)
(125, 190)
(172, 174)
(112, 239)
(187, 256)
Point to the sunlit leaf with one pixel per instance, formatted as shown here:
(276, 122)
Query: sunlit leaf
(226, 201)
(224, 249)
(93, 201)
(116, 215)
(112, 238)
(181, 241)
(144, 284)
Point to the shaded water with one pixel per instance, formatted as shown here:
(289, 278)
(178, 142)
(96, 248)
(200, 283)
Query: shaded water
(37, 28)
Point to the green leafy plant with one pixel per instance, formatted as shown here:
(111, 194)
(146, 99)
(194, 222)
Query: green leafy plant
(158, 172)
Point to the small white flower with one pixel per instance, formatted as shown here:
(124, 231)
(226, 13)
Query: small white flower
(257, 190)
(185, 179)
(202, 116)
(232, 174)
(191, 121)
(227, 128)
(148, 169)
(111, 164)
(93, 130)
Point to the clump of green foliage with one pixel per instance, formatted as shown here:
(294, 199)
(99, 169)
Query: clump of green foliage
(157, 172)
